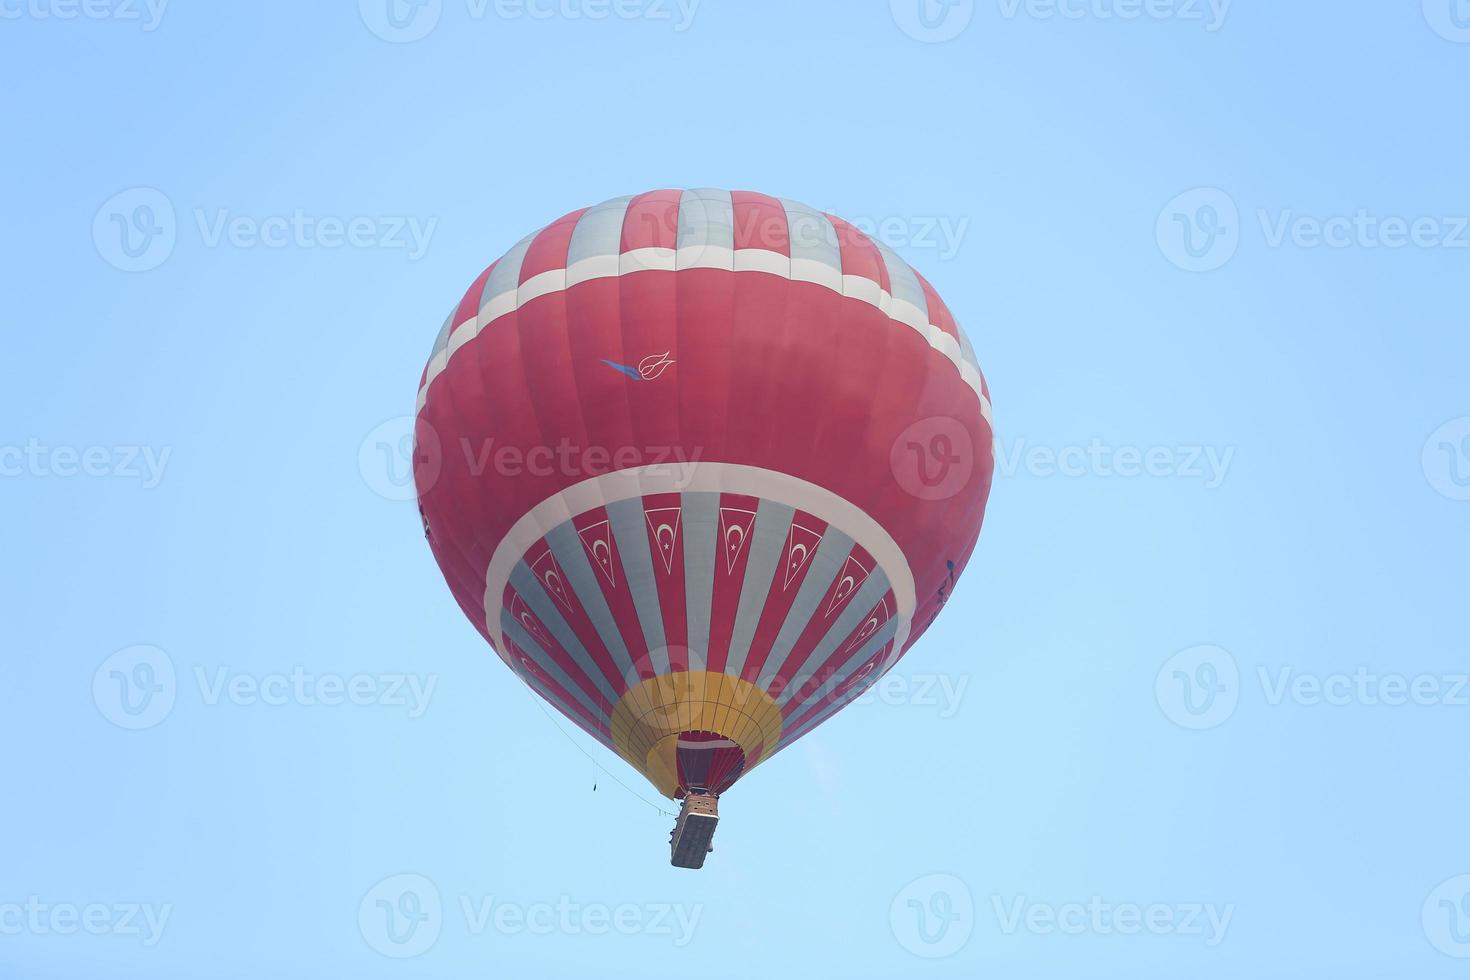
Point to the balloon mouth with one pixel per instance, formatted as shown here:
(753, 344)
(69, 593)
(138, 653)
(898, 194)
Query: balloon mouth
(695, 730)
(701, 762)
(707, 762)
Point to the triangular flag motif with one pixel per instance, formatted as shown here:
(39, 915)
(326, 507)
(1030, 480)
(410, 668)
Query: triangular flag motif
(530, 666)
(735, 525)
(801, 544)
(597, 539)
(549, 573)
(522, 614)
(875, 619)
(853, 574)
(663, 527)
(861, 674)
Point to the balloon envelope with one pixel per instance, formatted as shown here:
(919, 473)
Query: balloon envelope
(701, 466)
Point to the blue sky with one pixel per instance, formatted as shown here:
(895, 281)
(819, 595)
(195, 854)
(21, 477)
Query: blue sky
(1196, 709)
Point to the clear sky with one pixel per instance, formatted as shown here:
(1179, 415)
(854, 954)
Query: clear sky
(1196, 709)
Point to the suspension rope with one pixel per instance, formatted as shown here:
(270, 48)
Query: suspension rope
(631, 792)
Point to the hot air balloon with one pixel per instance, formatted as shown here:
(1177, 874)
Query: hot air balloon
(701, 466)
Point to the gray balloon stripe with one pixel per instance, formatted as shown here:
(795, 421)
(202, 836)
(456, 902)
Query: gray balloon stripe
(571, 554)
(874, 588)
(826, 565)
(875, 643)
(550, 613)
(767, 545)
(630, 530)
(533, 649)
(700, 530)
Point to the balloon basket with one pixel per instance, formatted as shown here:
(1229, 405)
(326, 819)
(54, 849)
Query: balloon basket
(690, 841)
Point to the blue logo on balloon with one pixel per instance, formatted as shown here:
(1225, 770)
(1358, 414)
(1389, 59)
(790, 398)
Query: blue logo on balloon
(647, 370)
